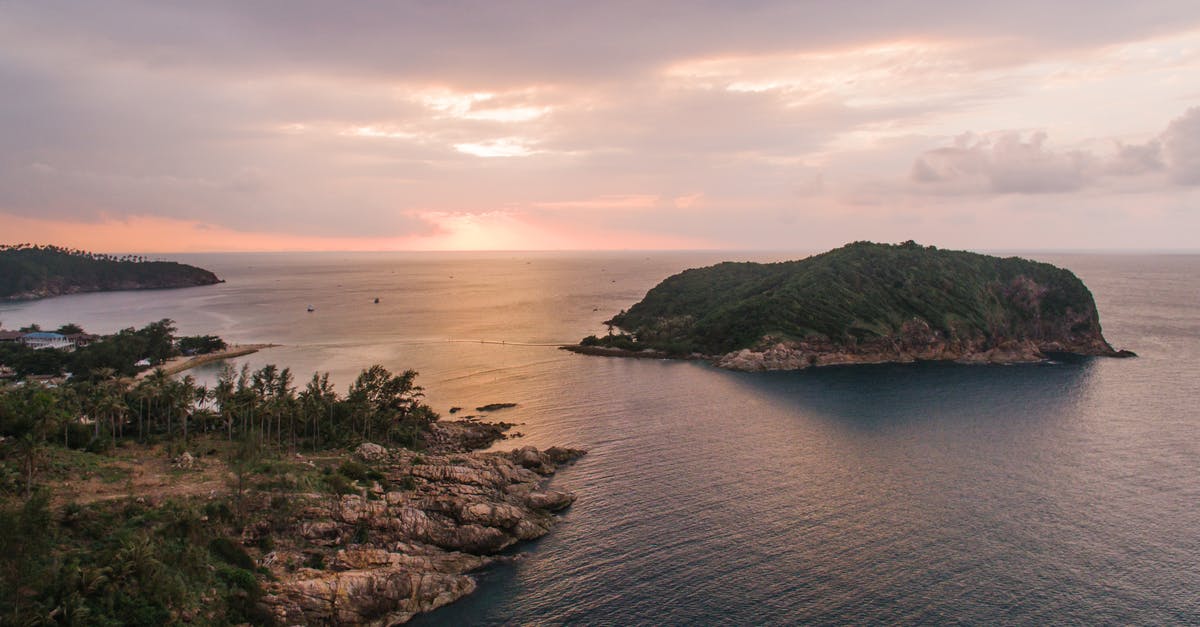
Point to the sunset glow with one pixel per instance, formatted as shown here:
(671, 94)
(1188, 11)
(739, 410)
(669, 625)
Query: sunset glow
(789, 126)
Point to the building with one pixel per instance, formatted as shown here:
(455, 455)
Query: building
(82, 339)
(42, 339)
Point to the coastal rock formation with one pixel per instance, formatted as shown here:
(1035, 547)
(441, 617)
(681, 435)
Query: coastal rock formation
(863, 303)
(388, 554)
(460, 436)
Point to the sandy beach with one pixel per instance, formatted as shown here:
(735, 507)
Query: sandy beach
(176, 365)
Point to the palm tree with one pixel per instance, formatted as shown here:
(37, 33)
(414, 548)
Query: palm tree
(156, 386)
(223, 395)
(201, 394)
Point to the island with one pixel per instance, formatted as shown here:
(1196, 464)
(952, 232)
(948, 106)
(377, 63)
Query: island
(862, 303)
(30, 272)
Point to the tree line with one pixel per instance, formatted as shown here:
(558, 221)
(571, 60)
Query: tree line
(265, 405)
(73, 252)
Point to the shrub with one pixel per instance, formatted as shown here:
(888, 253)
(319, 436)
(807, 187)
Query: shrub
(354, 470)
(315, 561)
(266, 543)
(231, 553)
(339, 484)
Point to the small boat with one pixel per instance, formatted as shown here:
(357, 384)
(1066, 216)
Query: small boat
(311, 309)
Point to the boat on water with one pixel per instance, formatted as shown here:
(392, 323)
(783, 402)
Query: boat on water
(311, 309)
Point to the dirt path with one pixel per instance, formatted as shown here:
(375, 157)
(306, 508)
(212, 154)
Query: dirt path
(147, 474)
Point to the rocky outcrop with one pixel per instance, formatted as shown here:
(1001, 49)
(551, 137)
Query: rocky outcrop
(465, 435)
(917, 341)
(389, 553)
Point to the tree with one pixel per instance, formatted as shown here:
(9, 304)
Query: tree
(31, 416)
(160, 343)
(69, 328)
(223, 394)
(242, 461)
(200, 344)
(389, 404)
(317, 401)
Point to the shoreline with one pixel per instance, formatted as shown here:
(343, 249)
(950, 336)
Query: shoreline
(780, 358)
(176, 365)
(400, 532)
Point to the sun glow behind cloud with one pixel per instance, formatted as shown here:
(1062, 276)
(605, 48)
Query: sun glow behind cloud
(713, 126)
(503, 147)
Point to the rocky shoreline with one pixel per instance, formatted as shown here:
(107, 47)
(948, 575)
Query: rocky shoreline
(62, 288)
(383, 555)
(916, 342)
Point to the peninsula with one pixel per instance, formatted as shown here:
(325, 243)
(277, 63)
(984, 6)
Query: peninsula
(30, 272)
(161, 501)
(862, 303)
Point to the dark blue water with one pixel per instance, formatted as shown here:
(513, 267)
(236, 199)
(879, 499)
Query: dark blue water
(1054, 493)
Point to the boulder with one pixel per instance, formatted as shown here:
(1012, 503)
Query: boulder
(370, 452)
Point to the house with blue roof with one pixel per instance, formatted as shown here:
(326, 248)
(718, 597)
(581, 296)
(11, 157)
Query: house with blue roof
(43, 339)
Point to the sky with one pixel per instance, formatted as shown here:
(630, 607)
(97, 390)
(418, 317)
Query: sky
(150, 126)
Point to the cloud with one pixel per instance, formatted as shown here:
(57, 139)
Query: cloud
(1181, 145)
(1010, 162)
(1135, 159)
(1003, 163)
(715, 122)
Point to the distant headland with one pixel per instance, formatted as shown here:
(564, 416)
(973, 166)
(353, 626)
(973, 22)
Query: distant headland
(29, 272)
(862, 303)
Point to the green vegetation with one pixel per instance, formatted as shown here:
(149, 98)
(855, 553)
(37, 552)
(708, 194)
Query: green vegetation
(108, 355)
(858, 293)
(168, 559)
(119, 561)
(122, 563)
(200, 344)
(28, 271)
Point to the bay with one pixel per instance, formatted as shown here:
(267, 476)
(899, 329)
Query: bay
(930, 493)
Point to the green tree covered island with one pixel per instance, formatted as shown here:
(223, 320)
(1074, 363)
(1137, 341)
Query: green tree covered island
(862, 303)
(28, 272)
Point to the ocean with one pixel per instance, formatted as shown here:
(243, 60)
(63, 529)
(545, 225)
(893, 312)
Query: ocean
(1061, 492)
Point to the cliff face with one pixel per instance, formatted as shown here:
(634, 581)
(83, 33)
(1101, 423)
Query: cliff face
(866, 303)
(388, 555)
(31, 273)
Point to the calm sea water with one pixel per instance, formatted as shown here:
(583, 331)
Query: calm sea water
(1053, 493)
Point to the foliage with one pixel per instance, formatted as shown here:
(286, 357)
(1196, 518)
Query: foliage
(200, 344)
(121, 564)
(48, 270)
(126, 563)
(118, 353)
(861, 291)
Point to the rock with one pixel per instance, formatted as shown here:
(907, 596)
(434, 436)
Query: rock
(551, 500)
(369, 452)
(528, 457)
(461, 436)
(399, 553)
(561, 455)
